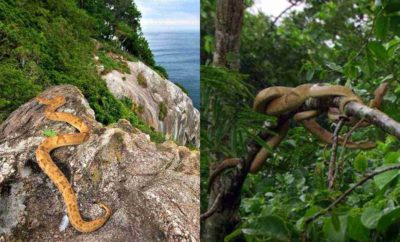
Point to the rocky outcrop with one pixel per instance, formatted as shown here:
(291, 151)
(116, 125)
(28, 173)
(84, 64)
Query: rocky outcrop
(153, 189)
(159, 102)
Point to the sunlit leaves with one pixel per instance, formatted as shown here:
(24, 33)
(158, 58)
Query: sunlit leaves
(373, 218)
(370, 217)
(361, 163)
(385, 178)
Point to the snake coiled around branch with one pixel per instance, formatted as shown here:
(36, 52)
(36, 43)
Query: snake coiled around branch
(278, 101)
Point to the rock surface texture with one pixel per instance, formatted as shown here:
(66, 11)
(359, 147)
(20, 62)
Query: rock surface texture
(159, 102)
(153, 189)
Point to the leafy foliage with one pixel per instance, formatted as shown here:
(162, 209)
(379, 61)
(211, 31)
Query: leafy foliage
(44, 43)
(352, 43)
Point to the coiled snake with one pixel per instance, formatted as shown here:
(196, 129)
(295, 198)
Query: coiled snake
(54, 173)
(277, 101)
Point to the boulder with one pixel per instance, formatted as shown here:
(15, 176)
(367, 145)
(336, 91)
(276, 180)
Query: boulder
(158, 101)
(152, 189)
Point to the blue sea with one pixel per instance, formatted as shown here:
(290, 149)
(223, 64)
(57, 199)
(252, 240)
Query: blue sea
(179, 54)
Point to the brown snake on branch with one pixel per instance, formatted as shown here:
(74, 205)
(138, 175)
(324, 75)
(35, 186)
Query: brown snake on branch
(54, 173)
(277, 101)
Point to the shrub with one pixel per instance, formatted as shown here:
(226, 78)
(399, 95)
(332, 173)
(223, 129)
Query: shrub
(162, 111)
(141, 79)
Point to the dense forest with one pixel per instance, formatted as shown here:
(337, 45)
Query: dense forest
(44, 43)
(342, 42)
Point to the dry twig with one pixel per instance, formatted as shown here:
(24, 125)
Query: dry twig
(332, 162)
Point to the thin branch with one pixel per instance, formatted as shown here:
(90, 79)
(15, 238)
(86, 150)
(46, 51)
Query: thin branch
(213, 208)
(346, 139)
(332, 162)
(374, 116)
(293, 4)
(368, 36)
(350, 190)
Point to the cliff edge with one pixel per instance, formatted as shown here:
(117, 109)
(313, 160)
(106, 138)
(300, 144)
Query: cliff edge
(159, 102)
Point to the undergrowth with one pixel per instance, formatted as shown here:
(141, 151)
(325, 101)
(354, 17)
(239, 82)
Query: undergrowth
(46, 43)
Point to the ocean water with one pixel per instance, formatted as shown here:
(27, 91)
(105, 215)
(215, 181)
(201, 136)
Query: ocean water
(179, 54)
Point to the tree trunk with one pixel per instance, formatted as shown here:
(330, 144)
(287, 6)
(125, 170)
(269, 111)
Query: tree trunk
(228, 25)
(225, 219)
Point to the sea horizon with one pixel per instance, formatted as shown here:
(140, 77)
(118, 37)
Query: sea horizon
(179, 53)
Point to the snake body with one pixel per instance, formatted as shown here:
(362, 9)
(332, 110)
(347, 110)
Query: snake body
(278, 100)
(296, 97)
(54, 173)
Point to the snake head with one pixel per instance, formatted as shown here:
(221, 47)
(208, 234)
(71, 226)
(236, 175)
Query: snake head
(42, 100)
(58, 100)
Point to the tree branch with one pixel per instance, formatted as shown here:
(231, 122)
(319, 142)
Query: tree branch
(373, 116)
(346, 139)
(213, 208)
(293, 4)
(332, 162)
(348, 191)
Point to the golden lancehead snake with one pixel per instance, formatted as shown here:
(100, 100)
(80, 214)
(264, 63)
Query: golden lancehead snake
(278, 100)
(54, 173)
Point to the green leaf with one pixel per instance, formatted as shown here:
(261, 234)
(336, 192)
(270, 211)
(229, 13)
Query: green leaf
(361, 163)
(392, 157)
(310, 74)
(334, 66)
(236, 233)
(356, 229)
(370, 217)
(370, 62)
(331, 233)
(335, 221)
(378, 50)
(385, 178)
(311, 211)
(271, 226)
(392, 47)
(395, 24)
(49, 133)
(389, 218)
(350, 71)
(382, 26)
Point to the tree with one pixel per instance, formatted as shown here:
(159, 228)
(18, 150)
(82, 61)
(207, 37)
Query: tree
(228, 25)
(351, 43)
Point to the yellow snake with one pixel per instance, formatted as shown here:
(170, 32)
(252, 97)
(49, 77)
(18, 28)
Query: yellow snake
(279, 100)
(54, 173)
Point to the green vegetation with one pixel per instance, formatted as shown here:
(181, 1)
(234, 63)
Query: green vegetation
(45, 43)
(141, 79)
(111, 64)
(138, 108)
(162, 111)
(352, 43)
(49, 133)
(161, 71)
(182, 88)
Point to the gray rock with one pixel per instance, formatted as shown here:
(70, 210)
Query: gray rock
(148, 91)
(153, 189)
